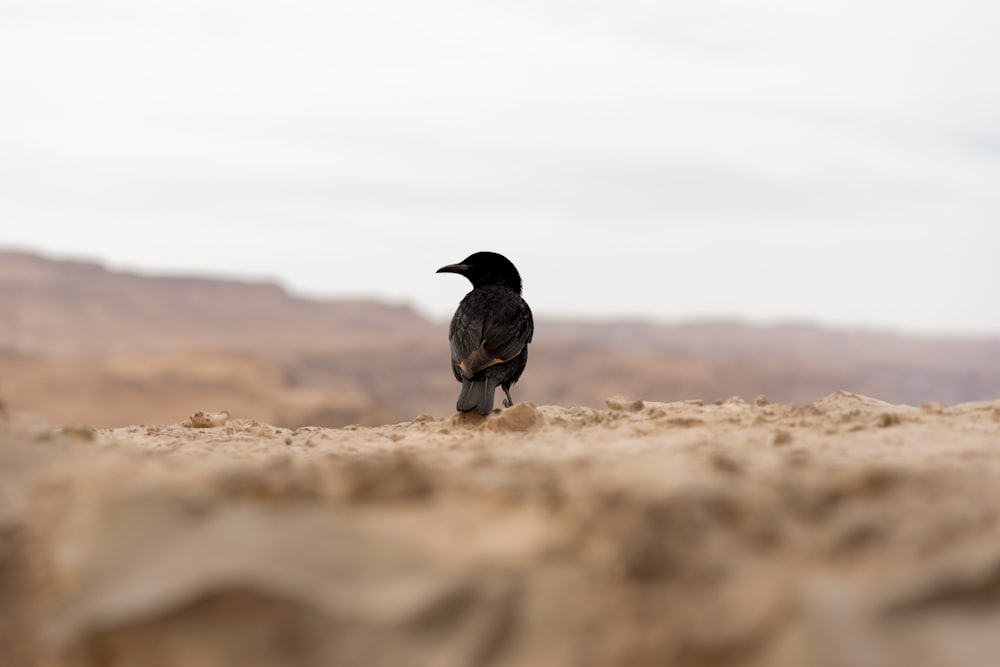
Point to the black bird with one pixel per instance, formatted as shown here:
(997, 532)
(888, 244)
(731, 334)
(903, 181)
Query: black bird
(490, 331)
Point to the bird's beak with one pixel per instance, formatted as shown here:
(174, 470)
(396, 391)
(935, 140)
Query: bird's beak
(454, 268)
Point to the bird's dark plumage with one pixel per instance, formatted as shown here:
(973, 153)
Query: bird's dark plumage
(490, 331)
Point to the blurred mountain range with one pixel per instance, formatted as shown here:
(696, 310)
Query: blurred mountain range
(91, 347)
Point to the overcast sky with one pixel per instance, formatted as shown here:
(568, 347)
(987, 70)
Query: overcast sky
(835, 162)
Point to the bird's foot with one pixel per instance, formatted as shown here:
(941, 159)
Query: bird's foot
(507, 402)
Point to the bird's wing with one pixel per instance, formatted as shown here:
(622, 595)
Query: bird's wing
(466, 332)
(504, 332)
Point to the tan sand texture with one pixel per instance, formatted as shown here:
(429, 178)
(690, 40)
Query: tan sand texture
(843, 533)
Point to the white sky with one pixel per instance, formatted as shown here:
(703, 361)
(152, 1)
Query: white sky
(836, 162)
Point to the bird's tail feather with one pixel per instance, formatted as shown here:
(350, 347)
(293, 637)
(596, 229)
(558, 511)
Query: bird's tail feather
(477, 395)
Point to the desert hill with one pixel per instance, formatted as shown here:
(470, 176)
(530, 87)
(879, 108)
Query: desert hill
(89, 346)
(79, 308)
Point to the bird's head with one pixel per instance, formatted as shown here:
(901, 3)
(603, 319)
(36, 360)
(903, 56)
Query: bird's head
(486, 268)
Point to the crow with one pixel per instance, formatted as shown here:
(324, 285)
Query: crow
(490, 331)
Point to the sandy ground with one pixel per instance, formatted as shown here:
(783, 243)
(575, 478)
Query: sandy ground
(845, 533)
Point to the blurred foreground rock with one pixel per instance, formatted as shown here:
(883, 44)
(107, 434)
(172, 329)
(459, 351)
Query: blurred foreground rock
(844, 533)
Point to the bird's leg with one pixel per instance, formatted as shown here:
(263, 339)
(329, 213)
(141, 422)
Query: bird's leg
(507, 402)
